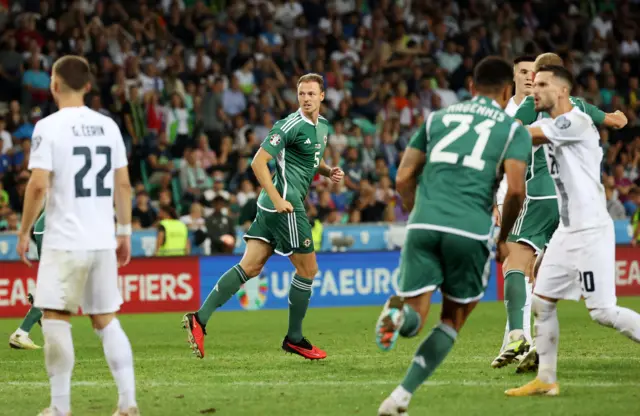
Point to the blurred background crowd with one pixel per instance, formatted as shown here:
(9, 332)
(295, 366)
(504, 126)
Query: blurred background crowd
(195, 86)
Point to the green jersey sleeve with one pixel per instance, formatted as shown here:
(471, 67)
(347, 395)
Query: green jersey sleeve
(527, 111)
(275, 141)
(591, 110)
(420, 138)
(519, 145)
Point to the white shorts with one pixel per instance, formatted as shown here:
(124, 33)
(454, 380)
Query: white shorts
(580, 264)
(71, 279)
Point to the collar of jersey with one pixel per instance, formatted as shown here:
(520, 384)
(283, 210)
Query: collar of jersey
(305, 118)
(492, 101)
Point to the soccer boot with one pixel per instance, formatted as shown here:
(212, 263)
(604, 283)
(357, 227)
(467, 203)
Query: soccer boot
(303, 348)
(512, 350)
(30, 298)
(195, 333)
(52, 412)
(389, 323)
(389, 407)
(536, 387)
(529, 363)
(132, 411)
(22, 342)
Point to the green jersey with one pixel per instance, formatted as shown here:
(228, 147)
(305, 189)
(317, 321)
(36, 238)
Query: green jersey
(540, 185)
(38, 233)
(465, 146)
(298, 146)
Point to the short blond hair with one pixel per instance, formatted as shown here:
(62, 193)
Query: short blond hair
(547, 59)
(312, 77)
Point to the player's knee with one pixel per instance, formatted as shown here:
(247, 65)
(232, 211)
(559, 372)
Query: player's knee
(604, 316)
(307, 271)
(252, 269)
(543, 309)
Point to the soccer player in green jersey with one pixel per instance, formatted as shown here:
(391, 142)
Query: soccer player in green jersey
(281, 226)
(536, 224)
(20, 338)
(448, 178)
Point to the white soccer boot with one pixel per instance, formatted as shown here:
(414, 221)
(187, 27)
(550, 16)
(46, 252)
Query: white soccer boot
(20, 341)
(390, 407)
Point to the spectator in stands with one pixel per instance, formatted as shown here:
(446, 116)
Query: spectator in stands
(635, 218)
(143, 211)
(11, 224)
(160, 160)
(353, 172)
(193, 179)
(614, 206)
(220, 227)
(194, 220)
(623, 185)
(367, 208)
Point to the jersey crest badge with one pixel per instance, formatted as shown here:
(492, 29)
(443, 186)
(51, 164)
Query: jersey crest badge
(274, 139)
(325, 140)
(563, 123)
(307, 242)
(36, 142)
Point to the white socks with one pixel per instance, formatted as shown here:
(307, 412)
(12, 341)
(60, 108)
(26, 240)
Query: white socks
(624, 320)
(547, 330)
(59, 359)
(401, 396)
(117, 351)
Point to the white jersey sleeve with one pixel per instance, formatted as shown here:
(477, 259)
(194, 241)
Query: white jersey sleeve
(41, 156)
(120, 149)
(567, 128)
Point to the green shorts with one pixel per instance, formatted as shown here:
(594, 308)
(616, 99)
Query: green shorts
(430, 259)
(536, 223)
(286, 233)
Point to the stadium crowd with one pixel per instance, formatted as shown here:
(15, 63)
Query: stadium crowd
(196, 85)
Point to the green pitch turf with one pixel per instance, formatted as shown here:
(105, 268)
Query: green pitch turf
(246, 373)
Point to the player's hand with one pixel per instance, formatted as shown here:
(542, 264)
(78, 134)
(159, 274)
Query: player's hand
(501, 251)
(496, 216)
(23, 248)
(634, 242)
(283, 206)
(123, 250)
(336, 175)
(623, 122)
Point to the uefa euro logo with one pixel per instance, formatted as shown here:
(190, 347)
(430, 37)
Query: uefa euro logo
(253, 294)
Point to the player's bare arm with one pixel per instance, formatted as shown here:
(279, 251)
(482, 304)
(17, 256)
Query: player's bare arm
(335, 174)
(615, 120)
(261, 170)
(33, 200)
(537, 136)
(407, 178)
(122, 197)
(515, 171)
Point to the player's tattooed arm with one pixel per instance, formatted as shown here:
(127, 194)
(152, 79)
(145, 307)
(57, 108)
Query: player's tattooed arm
(410, 168)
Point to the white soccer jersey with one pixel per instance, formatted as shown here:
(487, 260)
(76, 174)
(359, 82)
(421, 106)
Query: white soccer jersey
(574, 159)
(511, 109)
(82, 148)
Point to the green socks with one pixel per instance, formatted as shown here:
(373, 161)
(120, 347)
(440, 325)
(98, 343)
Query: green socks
(411, 323)
(515, 296)
(299, 295)
(430, 354)
(33, 316)
(226, 287)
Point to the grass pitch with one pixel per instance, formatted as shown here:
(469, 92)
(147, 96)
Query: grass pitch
(246, 373)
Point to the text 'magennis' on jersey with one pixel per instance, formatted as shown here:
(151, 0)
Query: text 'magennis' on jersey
(84, 130)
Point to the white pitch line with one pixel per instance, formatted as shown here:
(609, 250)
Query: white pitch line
(318, 383)
(337, 358)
